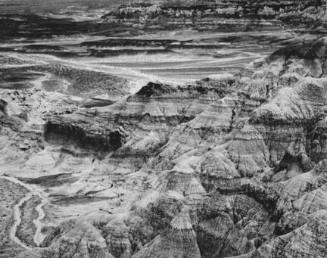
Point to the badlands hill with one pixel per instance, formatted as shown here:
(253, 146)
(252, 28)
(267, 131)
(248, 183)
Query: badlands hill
(224, 167)
(230, 165)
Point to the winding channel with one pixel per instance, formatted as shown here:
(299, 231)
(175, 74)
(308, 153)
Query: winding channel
(32, 191)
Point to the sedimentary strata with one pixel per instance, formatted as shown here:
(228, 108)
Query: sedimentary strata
(232, 165)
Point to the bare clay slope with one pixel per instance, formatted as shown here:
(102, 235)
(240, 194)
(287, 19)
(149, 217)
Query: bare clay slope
(229, 166)
(218, 168)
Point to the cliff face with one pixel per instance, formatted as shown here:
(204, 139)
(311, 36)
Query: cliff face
(223, 15)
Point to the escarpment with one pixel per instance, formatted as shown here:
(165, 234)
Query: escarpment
(96, 139)
(207, 169)
(223, 15)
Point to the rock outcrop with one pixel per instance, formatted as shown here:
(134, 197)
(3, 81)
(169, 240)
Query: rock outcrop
(222, 15)
(220, 171)
(230, 166)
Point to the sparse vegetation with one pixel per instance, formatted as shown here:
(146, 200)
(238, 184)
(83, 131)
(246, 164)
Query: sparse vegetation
(87, 81)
